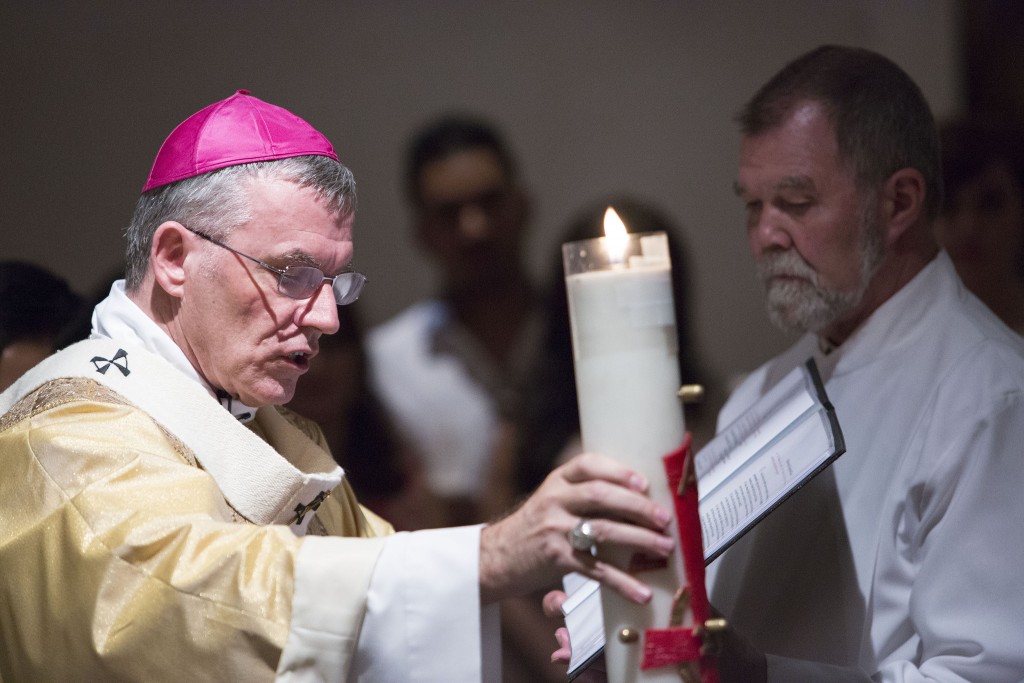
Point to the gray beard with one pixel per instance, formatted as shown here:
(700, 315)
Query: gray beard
(805, 305)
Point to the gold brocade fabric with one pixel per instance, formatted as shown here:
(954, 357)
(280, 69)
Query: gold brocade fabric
(120, 559)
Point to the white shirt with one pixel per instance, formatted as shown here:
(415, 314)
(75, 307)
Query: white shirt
(436, 402)
(903, 560)
(423, 621)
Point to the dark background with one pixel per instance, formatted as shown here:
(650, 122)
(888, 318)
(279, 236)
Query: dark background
(595, 96)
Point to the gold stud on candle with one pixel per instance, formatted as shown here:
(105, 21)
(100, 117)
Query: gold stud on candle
(717, 625)
(689, 672)
(629, 635)
(691, 393)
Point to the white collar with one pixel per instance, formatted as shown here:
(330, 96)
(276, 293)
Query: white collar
(118, 317)
(895, 324)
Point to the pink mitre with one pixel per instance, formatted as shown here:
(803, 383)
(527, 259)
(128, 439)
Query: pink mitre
(239, 130)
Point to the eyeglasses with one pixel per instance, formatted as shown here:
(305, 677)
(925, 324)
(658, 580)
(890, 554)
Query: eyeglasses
(302, 282)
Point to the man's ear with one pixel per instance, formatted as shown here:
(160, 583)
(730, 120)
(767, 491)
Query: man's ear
(903, 196)
(167, 257)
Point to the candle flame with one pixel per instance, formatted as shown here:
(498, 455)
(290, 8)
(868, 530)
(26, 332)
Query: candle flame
(616, 237)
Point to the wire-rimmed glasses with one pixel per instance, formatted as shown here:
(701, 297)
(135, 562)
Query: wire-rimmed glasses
(302, 282)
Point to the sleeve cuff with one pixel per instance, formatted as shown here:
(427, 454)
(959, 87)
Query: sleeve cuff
(423, 620)
(332, 578)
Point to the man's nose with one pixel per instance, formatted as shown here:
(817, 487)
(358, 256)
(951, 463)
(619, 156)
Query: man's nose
(474, 223)
(766, 231)
(320, 311)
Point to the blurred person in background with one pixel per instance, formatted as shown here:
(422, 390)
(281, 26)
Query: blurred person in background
(982, 221)
(450, 368)
(36, 307)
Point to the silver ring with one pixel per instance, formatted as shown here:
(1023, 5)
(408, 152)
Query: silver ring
(581, 537)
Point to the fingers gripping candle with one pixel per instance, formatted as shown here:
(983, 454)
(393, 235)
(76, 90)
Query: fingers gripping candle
(627, 378)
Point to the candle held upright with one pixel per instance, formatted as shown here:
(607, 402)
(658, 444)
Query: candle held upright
(625, 351)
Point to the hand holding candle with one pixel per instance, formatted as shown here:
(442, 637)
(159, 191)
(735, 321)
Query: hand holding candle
(627, 376)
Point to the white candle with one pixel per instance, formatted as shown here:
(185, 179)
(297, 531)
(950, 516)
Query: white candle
(627, 378)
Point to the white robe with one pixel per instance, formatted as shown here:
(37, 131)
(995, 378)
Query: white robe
(902, 561)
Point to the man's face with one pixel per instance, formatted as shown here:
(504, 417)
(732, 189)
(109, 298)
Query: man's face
(470, 218)
(18, 357)
(816, 239)
(982, 227)
(238, 331)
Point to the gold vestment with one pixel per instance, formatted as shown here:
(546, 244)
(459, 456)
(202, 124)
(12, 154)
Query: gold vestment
(121, 560)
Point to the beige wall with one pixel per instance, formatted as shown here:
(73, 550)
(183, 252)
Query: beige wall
(595, 96)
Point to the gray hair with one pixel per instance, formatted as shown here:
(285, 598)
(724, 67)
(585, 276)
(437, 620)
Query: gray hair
(217, 202)
(881, 119)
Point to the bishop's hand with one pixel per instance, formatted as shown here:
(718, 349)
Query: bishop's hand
(530, 548)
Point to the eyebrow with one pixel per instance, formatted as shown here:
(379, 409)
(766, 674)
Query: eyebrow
(299, 258)
(795, 182)
(296, 257)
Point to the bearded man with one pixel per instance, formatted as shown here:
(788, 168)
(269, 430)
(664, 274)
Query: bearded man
(901, 562)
